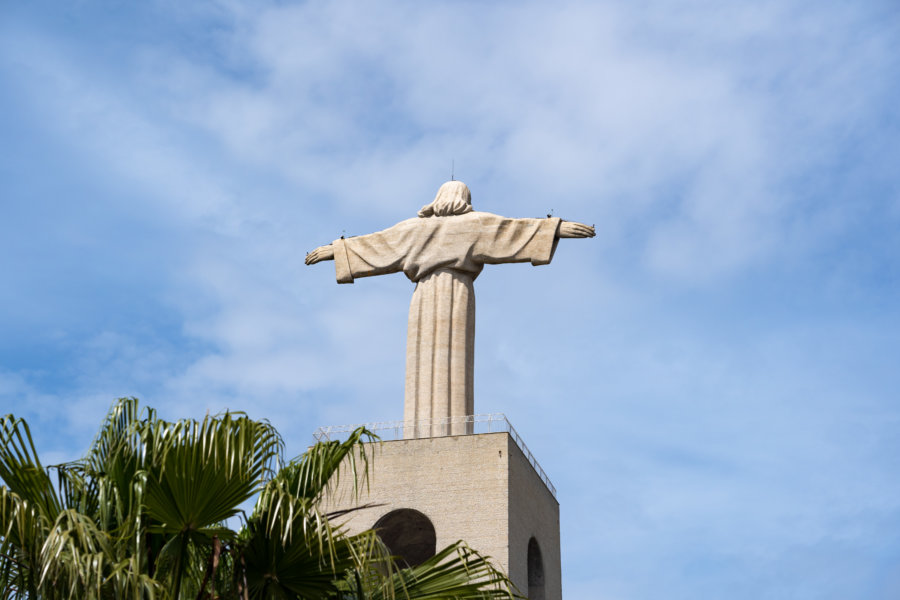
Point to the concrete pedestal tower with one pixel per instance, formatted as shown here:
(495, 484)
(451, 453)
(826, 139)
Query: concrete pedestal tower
(484, 488)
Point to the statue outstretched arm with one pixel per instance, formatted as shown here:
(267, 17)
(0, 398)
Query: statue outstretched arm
(571, 229)
(319, 254)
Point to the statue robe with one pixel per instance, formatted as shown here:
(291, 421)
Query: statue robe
(443, 256)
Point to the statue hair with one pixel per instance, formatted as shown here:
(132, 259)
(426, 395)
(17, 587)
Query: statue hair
(453, 198)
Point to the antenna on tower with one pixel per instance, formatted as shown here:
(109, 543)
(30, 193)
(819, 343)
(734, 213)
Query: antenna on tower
(452, 168)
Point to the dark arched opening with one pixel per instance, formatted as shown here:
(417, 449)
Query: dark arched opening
(408, 534)
(535, 571)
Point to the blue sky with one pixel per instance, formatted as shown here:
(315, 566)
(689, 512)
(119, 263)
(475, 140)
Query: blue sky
(711, 382)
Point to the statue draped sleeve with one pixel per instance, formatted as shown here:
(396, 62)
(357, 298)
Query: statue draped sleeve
(503, 240)
(377, 253)
(465, 243)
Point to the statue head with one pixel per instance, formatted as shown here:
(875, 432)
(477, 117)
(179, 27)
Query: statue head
(454, 198)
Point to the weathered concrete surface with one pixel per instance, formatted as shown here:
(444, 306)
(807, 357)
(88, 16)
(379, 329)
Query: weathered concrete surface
(477, 488)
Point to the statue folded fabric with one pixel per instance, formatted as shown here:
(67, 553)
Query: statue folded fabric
(442, 251)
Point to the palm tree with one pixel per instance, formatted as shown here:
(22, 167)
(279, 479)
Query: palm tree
(145, 514)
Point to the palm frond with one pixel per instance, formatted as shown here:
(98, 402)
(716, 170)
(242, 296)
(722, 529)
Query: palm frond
(22, 533)
(76, 555)
(119, 430)
(307, 565)
(201, 472)
(457, 571)
(21, 470)
(290, 547)
(319, 468)
(116, 456)
(77, 486)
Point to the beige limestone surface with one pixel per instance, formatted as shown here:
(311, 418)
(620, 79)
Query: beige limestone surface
(477, 488)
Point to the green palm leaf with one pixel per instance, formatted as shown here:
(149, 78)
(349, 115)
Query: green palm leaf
(21, 470)
(22, 532)
(202, 472)
(457, 572)
(291, 549)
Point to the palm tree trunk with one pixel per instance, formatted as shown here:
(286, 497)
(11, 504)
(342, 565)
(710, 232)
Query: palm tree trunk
(179, 570)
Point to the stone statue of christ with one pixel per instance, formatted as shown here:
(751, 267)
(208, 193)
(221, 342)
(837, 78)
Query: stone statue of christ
(442, 251)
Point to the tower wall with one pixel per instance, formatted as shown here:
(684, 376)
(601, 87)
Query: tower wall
(477, 488)
(533, 513)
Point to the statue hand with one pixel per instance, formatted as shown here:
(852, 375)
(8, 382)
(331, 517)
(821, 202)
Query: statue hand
(571, 229)
(319, 254)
